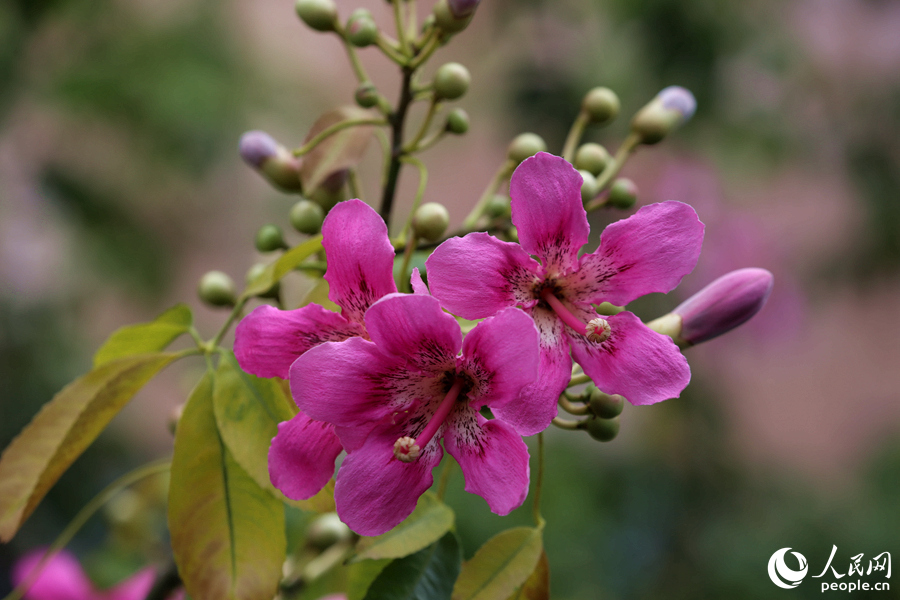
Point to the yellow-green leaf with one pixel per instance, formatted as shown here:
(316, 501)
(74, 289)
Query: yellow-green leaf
(537, 586)
(248, 410)
(428, 523)
(143, 338)
(227, 533)
(66, 425)
(361, 575)
(340, 150)
(319, 295)
(286, 263)
(322, 502)
(500, 566)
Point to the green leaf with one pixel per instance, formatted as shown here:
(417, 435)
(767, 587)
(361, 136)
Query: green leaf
(228, 535)
(499, 567)
(339, 151)
(361, 575)
(319, 295)
(286, 263)
(537, 586)
(428, 522)
(426, 575)
(145, 337)
(62, 430)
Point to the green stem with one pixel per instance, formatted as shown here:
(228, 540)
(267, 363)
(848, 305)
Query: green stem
(574, 136)
(354, 185)
(358, 68)
(160, 466)
(539, 483)
(578, 380)
(622, 154)
(404, 284)
(420, 194)
(433, 107)
(412, 20)
(564, 424)
(397, 119)
(332, 129)
(401, 28)
(432, 42)
(571, 408)
(445, 478)
(235, 313)
(390, 49)
(504, 172)
(433, 139)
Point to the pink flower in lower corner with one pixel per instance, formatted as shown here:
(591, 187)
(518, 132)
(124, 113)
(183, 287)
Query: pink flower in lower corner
(268, 340)
(62, 578)
(651, 251)
(412, 382)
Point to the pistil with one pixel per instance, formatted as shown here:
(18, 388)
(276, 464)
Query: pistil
(596, 330)
(408, 449)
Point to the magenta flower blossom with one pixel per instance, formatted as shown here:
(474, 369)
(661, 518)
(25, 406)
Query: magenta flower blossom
(269, 340)
(411, 383)
(478, 275)
(62, 578)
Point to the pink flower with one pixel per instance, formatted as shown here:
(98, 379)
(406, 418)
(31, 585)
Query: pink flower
(411, 384)
(651, 251)
(269, 340)
(63, 579)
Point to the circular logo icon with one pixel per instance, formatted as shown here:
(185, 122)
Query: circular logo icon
(783, 576)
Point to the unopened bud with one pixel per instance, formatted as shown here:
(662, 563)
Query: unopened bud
(727, 302)
(603, 430)
(327, 530)
(463, 8)
(524, 146)
(601, 105)
(446, 20)
(671, 108)
(622, 193)
(457, 121)
(269, 239)
(592, 158)
(271, 159)
(498, 206)
(361, 28)
(430, 221)
(307, 217)
(367, 95)
(254, 273)
(604, 406)
(217, 289)
(320, 15)
(589, 187)
(451, 81)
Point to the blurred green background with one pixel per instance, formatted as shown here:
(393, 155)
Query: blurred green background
(120, 185)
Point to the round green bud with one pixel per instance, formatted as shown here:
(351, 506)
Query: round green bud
(457, 121)
(498, 206)
(601, 105)
(589, 188)
(327, 530)
(254, 273)
(269, 239)
(307, 217)
(451, 81)
(320, 15)
(524, 146)
(605, 406)
(361, 28)
(446, 20)
(217, 289)
(622, 193)
(367, 95)
(592, 158)
(430, 221)
(603, 430)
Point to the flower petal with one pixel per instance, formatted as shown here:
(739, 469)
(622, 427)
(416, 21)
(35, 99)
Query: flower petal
(501, 355)
(547, 211)
(412, 327)
(478, 275)
(415, 281)
(636, 362)
(360, 258)
(374, 490)
(493, 457)
(650, 251)
(537, 404)
(268, 340)
(302, 455)
(61, 578)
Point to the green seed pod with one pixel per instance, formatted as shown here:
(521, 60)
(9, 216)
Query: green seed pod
(457, 121)
(327, 530)
(524, 146)
(307, 217)
(447, 21)
(603, 430)
(604, 406)
(367, 95)
(622, 193)
(589, 187)
(601, 105)
(671, 108)
(451, 81)
(269, 239)
(430, 221)
(498, 206)
(217, 289)
(320, 15)
(592, 158)
(361, 28)
(254, 272)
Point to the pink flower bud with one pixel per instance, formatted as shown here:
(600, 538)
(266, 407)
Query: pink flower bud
(256, 147)
(678, 99)
(463, 8)
(724, 304)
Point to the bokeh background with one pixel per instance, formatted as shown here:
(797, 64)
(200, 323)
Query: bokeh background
(120, 185)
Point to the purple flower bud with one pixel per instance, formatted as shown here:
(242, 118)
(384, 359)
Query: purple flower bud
(463, 8)
(724, 304)
(679, 99)
(256, 147)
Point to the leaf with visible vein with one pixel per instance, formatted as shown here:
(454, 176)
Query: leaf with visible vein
(428, 523)
(426, 575)
(500, 566)
(143, 338)
(286, 263)
(537, 586)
